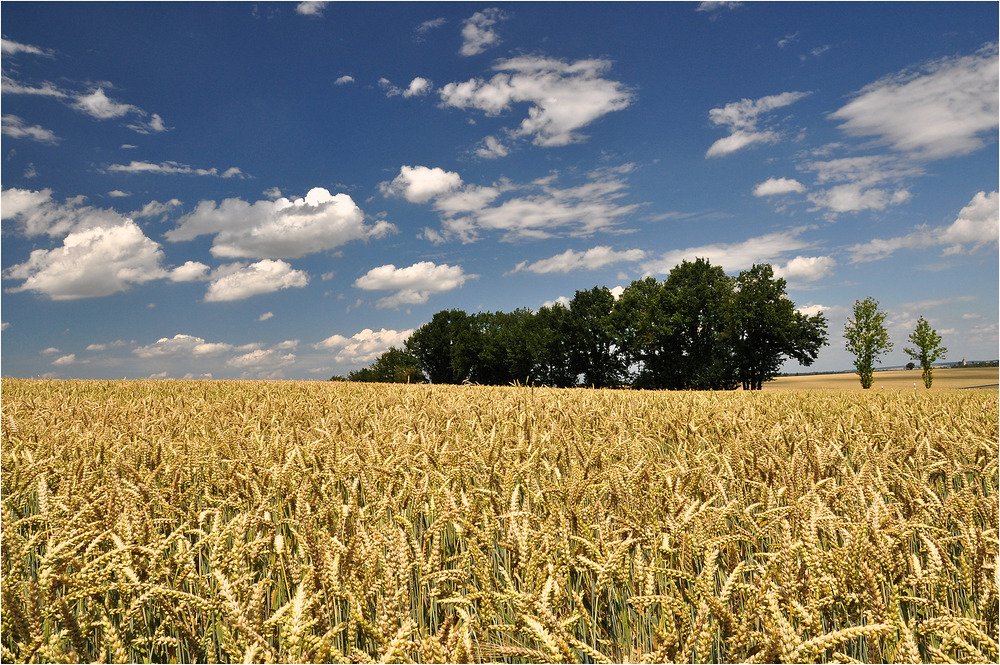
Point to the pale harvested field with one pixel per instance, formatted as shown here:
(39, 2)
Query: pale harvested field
(958, 377)
(160, 521)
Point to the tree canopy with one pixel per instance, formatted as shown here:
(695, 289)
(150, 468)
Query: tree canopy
(698, 329)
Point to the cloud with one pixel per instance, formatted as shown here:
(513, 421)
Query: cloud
(854, 197)
(363, 347)
(806, 268)
(98, 105)
(418, 87)
(344, 80)
(945, 108)
(11, 87)
(733, 257)
(237, 281)
(478, 33)
(282, 228)
(492, 148)
(172, 168)
(155, 208)
(14, 127)
(191, 271)
(38, 214)
(10, 47)
(66, 360)
(538, 210)
(311, 8)
(414, 284)
(424, 28)
(776, 186)
(182, 346)
(742, 118)
(265, 316)
(977, 226)
(564, 96)
(592, 259)
(262, 359)
(92, 262)
(118, 194)
(713, 7)
(858, 176)
(420, 184)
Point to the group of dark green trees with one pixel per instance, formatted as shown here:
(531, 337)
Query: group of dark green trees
(699, 329)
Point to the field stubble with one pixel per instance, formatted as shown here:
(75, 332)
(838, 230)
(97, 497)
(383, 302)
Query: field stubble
(307, 522)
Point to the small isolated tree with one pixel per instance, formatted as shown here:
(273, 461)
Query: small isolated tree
(926, 349)
(867, 338)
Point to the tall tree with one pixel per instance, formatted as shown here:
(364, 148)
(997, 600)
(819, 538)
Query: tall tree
(767, 330)
(867, 338)
(643, 326)
(699, 351)
(549, 338)
(434, 344)
(926, 349)
(593, 349)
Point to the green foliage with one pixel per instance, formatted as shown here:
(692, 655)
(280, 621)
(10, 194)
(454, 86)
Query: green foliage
(393, 366)
(767, 329)
(867, 338)
(699, 329)
(926, 349)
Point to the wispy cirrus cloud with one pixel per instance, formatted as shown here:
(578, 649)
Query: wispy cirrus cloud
(563, 97)
(174, 168)
(943, 108)
(742, 119)
(976, 226)
(591, 259)
(14, 127)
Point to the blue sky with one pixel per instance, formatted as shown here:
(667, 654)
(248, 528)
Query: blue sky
(282, 190)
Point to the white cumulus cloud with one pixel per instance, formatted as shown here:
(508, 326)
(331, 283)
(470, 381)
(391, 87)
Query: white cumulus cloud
(238, 281)
(806, 268)
(364, 346)
(414, 284)
(478, 33)
(92, 262)
(282, 228)
(775, 186)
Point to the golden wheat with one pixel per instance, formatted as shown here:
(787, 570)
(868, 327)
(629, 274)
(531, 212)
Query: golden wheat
(305, 522)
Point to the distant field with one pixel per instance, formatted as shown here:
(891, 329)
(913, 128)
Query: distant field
(956, 377)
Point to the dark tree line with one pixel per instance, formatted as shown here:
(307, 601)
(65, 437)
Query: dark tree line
(699, 329)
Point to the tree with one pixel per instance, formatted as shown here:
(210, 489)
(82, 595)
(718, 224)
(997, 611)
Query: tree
(699, 351)
(433, 345)
(393, 366)
(593, 351)
(767, 330)
(642, 322)
(926, 349)
(867, 338)
(549, 335)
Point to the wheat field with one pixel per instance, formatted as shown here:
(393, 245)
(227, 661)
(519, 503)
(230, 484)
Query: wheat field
(159, 521)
